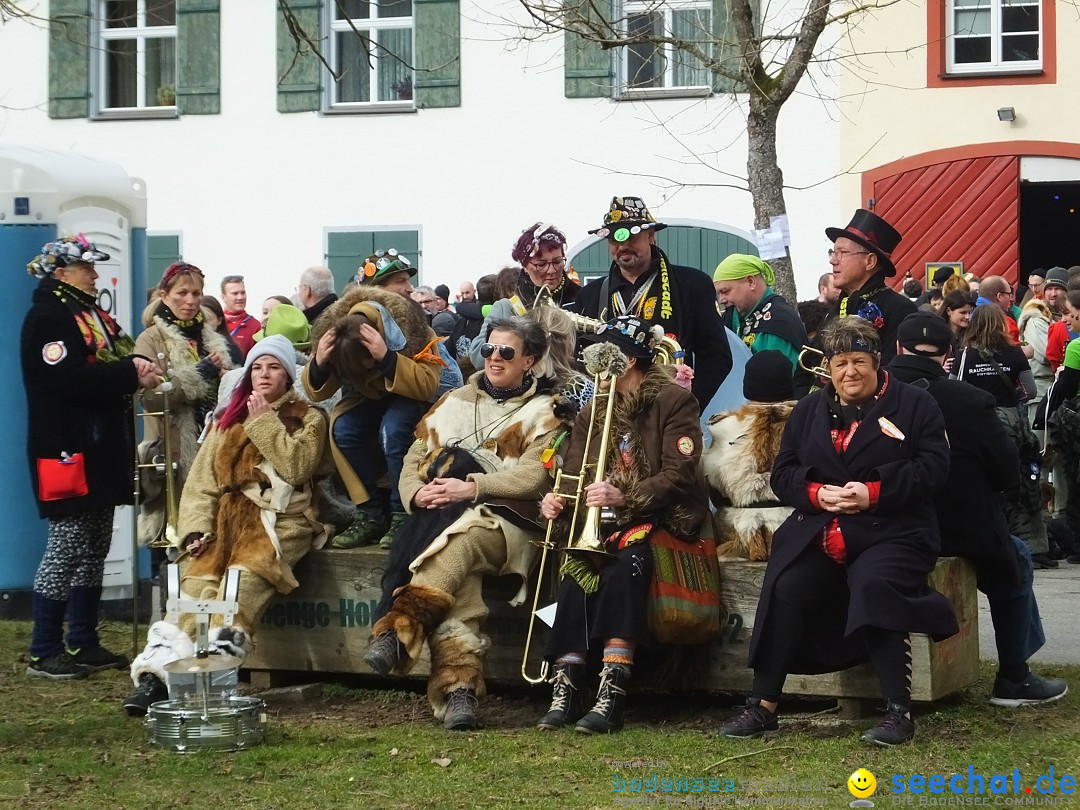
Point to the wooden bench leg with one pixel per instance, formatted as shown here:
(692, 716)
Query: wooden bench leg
(857, 708)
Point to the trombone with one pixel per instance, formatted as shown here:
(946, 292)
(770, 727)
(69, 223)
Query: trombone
(821, 370)
(606, 363)
(164, 465)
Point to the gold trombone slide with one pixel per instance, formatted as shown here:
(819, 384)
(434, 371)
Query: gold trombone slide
(821, 370)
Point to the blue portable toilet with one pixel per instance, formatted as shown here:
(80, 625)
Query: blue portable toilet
(45, 194)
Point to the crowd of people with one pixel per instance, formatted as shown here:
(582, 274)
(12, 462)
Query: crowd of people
(391, 416)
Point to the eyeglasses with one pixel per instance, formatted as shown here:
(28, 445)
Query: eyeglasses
(1006, 292)
(505, 352)
(840, 253)
(557, 264)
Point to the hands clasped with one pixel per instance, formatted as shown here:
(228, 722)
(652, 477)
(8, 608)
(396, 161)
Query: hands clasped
(852, 498)
(443, 492)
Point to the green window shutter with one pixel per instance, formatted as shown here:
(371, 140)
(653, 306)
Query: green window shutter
(69, 58)
(161, 250)
(588, 68)
(198, 57)
(299, 70)
(345, 250)
(437, 81)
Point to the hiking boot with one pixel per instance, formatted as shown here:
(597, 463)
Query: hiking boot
(461, 710)
(1043, 561)
(384, 653)
(396, 521)
(752, 720)
(149, 691)
(96, 659)
(58, 667)
(1033, 691)
(567, 697)
(606, 715)
(896, 728)
(365, 530)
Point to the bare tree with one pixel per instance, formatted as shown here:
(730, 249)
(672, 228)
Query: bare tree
(762, 60)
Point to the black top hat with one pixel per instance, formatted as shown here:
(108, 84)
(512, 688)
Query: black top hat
(874, 234)
(627, 217)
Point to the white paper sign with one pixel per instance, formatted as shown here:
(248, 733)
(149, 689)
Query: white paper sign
(780, 223)
(770, 243)
(547, 614)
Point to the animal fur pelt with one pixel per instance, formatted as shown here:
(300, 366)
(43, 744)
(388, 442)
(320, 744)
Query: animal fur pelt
(738, 466)
(417, 611)
(409, 316)
(424, 525)
(457, 662)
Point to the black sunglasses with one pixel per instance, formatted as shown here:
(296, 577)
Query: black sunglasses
(505, 352)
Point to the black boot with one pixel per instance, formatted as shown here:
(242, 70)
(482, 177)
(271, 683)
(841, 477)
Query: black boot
(384, 653)
(607, 715)
(461, 710)
(149, 691)
(567, 696)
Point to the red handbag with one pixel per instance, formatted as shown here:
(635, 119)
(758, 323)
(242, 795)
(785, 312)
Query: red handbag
(62, 478)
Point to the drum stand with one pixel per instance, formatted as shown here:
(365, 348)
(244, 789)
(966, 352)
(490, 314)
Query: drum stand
(203, 712)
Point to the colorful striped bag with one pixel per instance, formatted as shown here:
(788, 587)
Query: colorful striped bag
(684, 597)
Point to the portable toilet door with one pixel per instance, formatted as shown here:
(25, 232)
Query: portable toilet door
(45, 194)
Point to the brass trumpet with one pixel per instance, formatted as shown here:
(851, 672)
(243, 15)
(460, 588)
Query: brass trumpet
(610, 364)
(821, 370)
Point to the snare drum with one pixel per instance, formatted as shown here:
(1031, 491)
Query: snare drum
(229, 724)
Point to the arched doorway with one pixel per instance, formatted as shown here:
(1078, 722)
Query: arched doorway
(691, 242)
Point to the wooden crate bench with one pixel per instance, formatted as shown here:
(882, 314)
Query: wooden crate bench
(325, 625)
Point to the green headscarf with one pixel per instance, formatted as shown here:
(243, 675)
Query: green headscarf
(741, 265)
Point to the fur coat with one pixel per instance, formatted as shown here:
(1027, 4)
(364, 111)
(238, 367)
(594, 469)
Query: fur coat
(738, 466)
(656, 431)
(250, 492)
(509, 449)
(165, 344)
(416, 374)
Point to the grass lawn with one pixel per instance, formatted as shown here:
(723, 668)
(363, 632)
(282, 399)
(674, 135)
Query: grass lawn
(67, 745)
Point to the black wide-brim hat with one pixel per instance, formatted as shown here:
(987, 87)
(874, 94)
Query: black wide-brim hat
(633, 337)
(626, 217)
(874, 234)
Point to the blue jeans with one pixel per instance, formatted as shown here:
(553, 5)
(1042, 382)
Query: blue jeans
(1018, 629)
(393, 419)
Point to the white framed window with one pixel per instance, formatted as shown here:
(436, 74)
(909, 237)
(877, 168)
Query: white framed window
(371, 51)
(993, 36)
(655, 69)
(135, 58)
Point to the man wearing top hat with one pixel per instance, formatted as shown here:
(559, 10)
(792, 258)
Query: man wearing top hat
(643, 283)
(861, 259)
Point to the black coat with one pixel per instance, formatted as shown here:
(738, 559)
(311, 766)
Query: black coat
(695, 322)
(982, 465)
(890, 548)
(77, 406)
(894, 308)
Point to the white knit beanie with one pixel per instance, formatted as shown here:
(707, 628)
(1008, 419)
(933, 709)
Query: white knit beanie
(278, 346)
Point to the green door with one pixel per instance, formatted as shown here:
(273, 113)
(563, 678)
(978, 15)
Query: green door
(690, 245)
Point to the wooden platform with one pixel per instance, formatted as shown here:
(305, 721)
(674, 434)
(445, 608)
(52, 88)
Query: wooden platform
(325, 625)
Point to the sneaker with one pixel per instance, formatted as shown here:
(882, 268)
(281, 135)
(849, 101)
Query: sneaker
(1033, 691)
(461, 710)
(1073, 558)
(365, 530)
(98, 659)
(58, 667)
(384, 653)
(752, 720)
(397, 519)
(150, 690)
(1043, 561)
(896, 728)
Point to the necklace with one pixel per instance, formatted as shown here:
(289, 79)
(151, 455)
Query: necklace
(484, 434)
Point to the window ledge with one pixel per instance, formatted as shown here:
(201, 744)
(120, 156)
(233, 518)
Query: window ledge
(994, 73)
(654, 93)
(137, 114)
(373, 108)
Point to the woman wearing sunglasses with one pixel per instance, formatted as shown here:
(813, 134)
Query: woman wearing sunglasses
(502, 425)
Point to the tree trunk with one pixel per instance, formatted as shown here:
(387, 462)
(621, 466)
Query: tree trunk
(766, 182)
